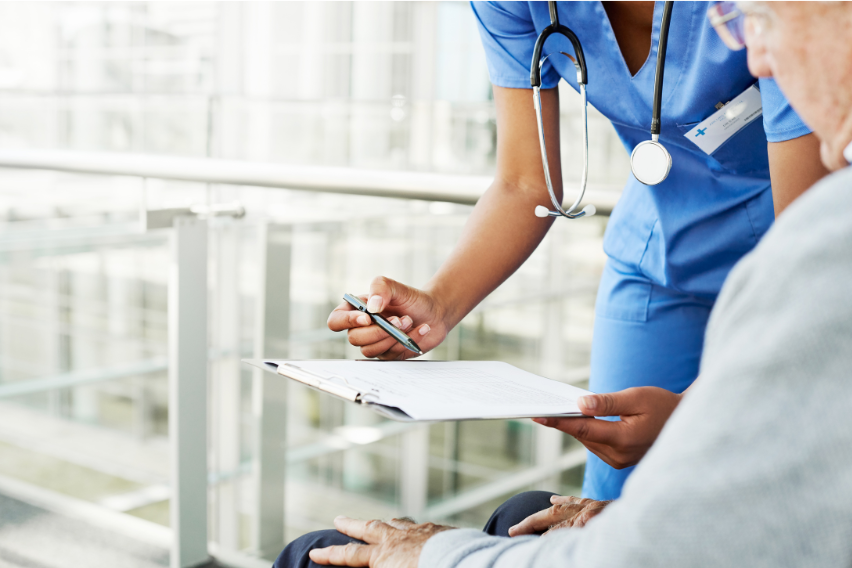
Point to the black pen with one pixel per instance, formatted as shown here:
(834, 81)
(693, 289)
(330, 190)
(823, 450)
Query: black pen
(392, 330)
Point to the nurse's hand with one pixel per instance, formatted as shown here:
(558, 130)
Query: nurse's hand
(566, 512)
(643, 411)
(414, 311)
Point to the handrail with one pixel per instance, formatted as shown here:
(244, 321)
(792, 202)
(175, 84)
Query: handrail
(77, 378)
(461, 189)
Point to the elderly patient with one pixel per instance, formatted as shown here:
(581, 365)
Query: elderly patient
(755, 467)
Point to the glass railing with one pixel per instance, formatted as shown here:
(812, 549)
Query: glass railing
(396, 134)
(83, 353)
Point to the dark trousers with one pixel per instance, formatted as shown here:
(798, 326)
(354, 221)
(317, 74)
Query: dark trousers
(507, 515)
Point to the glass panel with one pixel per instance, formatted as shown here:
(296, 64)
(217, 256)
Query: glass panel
(83, 290)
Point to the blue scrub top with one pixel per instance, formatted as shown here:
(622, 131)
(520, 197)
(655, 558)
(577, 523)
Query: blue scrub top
(686, 233)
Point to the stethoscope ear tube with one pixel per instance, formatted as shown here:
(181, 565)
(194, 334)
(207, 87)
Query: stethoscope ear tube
(582, 80)
(556, 28)
(650, 161)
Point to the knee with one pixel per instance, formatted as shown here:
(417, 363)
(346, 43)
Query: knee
(525, 503)
(295, 554)
(516, 509)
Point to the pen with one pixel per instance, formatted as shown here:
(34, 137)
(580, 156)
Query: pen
(392, 330)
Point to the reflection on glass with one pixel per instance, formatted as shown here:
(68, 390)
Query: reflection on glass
(83, 292)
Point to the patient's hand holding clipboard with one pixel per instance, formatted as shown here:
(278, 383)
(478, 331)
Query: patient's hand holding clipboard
(414, 391)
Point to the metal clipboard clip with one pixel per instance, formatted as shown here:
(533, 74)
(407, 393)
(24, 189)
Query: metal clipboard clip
(324, 384)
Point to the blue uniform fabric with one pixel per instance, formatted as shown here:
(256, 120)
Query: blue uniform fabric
(670, 246)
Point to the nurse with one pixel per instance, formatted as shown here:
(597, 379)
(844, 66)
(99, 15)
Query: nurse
(669, 246)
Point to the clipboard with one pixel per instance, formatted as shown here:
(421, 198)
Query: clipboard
(432, 391)
(291, 370)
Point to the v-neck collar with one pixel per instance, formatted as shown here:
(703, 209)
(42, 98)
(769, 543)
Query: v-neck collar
(617, 54)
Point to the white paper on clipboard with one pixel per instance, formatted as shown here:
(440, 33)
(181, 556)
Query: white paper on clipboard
(435, 390)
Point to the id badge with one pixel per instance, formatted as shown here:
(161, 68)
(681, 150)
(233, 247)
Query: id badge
(727, 121)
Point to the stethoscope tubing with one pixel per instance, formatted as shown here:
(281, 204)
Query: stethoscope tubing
(662, 44)
(582, 80)
(559, 210)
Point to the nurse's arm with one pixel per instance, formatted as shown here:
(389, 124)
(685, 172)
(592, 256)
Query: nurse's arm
(500, 234)
(794, 166)
(502, 230)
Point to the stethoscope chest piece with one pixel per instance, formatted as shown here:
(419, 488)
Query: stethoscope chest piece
(650, 162)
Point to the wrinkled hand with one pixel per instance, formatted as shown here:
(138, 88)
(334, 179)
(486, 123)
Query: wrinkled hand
(566, 512)
(413, 311)
(395, 544)
(643, 411)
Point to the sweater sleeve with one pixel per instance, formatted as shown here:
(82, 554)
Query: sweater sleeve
(752, 469)
(470, 548)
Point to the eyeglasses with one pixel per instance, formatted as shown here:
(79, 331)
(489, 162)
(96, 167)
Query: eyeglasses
(729, 22)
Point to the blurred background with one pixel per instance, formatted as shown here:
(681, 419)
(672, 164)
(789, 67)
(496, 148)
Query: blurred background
(355, 137)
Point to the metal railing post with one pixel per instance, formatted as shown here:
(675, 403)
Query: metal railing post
(225, 381)
(270, 392)
(414, 471)
(548, 441)
(188, 391)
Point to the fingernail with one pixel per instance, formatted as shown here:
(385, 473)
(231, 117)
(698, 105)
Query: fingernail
(374, 304)
(364, 319)
(588, 402)
(512, 528)
(542, 421)
(406, 322)
(424, 329)
(395, 321)
(340, 517)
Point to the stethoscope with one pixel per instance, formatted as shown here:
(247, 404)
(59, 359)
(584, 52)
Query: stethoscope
(650, 162)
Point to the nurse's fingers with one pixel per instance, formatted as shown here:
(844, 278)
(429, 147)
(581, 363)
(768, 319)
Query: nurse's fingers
(630, 402)
(397, 353)
(611, 456)
(344, 316)
(622, 403)
(379, 349)
(369, 335)
(585, 429)
(388, 349)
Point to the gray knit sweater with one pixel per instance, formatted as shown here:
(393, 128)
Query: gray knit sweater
(755, 466)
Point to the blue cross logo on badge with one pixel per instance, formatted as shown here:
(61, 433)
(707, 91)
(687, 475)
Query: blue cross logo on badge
(701, 132)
